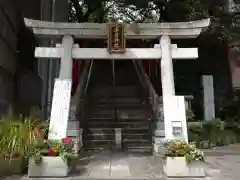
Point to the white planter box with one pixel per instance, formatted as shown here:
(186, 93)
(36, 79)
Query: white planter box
(48, 167)
(178, 167)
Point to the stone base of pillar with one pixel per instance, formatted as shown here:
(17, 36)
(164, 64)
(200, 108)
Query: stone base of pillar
(159, 125)
(77, 139)
(158, 138)
(76, 145)
(80, 137)
(118, 138)
(158, 145)
(156, 149)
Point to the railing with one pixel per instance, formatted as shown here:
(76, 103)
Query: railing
(153, 97)
(83, 87)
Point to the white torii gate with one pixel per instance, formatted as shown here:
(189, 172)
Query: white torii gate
(174, 106)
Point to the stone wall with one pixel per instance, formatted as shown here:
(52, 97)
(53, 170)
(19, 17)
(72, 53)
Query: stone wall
(12, 36)
(10, 25)
(6, 91)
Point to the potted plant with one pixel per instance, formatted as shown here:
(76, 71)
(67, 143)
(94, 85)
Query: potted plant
(52, 158)
(182, 159)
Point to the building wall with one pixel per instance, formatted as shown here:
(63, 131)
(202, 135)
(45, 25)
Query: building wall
(15, 82)
(60, 14)
(10, 26)
(31, 8)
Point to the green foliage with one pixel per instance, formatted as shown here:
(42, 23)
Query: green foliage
(177, 148)
(224, 24)
(215, 132)
(190, 115)
(231, 110)
(17, 136)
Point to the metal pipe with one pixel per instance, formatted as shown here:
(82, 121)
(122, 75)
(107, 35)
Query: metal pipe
(45, 15)
(88, 78)
(51, 74)
(114, 92)
(113, 71)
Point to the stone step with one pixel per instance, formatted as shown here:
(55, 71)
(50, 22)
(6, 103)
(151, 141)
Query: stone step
(134, 116)
(137, 142)
(99, 136)
(122, 111)
(136, 136)
(121, 116)
(103, 120)
(95, 149)
(138, 148)
(118, 124)
(100, 114)
(109, 100)
(99, 131)
(111, 123)
(119, 91)
(134, 108)
(108, 112)
(135, 130)
(120, 100)
(101, 144)
(110, 104)
(113, 120)
(129, 113)
(120, 106)
(140, 120)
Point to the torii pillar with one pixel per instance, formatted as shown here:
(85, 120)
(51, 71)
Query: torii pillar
(167, 79)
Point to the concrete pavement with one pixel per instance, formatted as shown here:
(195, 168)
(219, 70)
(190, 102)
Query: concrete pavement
(222, 164)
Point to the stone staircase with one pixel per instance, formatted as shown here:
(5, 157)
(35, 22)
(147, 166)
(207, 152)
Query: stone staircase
(123, 107)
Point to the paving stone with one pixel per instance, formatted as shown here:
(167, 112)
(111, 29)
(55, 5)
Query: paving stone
(83, 171)
(99, 172)
(222, 164)
(141, 167)
(120, 168)
(100, 168)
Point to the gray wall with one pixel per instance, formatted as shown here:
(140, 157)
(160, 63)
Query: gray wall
(10, 26)
(11, 20)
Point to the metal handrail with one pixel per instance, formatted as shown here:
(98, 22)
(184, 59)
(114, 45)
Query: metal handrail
(154, 99)
(83, 86)
(88, 78)
(114, 92)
